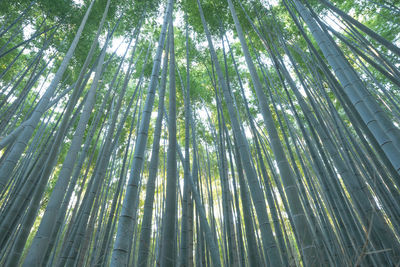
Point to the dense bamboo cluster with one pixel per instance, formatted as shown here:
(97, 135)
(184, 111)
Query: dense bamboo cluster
(199, 133)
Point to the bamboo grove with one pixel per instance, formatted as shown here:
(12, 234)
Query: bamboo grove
(199, 133)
